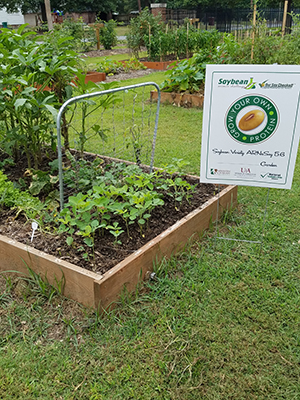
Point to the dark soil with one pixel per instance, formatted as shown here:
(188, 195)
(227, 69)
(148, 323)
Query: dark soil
(107, 253)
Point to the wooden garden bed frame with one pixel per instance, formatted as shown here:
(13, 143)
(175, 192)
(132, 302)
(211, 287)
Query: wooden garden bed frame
(159, 65)
(102, 291)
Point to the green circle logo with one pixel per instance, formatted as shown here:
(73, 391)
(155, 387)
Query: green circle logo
(252, 119)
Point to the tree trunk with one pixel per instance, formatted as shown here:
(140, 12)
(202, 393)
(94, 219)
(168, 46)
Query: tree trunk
(49, 16)
(43, 11)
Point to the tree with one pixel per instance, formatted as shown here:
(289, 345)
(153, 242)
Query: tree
(23, 5)
(133, 5)
(64, 5)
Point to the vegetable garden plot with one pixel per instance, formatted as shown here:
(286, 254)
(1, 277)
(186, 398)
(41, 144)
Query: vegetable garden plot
(118, 122)
(96, 289)
(116, 220)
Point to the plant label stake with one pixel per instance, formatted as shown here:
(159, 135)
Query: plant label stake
(34, 227)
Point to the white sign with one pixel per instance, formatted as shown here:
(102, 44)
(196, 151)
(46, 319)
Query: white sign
(250, 130)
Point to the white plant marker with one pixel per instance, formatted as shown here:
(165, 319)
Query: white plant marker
(34, 227)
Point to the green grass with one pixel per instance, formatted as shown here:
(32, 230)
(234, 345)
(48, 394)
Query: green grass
(174, 122)
(122, 30)
(220, 322)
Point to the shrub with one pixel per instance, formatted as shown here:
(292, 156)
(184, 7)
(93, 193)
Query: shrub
(83, 36)
(108, 34)
(27, 110)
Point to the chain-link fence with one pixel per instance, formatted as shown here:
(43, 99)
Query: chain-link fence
(102, 127)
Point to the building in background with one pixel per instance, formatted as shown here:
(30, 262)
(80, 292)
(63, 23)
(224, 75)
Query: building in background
(11, 19)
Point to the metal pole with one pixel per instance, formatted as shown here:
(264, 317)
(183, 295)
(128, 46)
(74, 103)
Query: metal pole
(217, 217)
(264, 221)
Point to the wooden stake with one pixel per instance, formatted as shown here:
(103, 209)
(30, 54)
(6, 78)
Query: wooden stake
(253, 30)
(160, 58)
(187, 40)
(98, 38)
(150, 41)
(284, 17)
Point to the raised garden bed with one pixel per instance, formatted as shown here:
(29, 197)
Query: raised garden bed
(179, 99)
(91, 76)
(159, 65)
(102, 290)
(94, 76)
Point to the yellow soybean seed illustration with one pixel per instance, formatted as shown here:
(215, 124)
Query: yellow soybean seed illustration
(251, 120)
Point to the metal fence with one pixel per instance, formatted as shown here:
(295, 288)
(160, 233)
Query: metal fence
(119, 123)
(178, 16)
(223, 19)
(229, 20)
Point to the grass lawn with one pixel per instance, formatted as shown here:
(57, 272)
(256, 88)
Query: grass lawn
(178, 134)
(122, 30)
(221, 321)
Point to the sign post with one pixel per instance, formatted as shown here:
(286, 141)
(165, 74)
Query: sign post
(250, 130)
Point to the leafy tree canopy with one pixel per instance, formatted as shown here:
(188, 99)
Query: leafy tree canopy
(64, 5)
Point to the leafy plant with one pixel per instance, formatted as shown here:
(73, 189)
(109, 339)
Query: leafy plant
(187, 75)
(122, 195)
(140, 28)
(133, 64)
(110, 67)
(14, 198)
(135, 140)
(108, 34)
(28, 72)
(89, 106)
(81, 36)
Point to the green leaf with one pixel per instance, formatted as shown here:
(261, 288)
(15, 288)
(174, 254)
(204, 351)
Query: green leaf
(88, 241)
(36, 186)
(19, 103)
(69, 240)
(95, 223)
(52, 110)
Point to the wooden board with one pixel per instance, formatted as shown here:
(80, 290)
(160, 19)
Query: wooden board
(159, 65)
(79, 282)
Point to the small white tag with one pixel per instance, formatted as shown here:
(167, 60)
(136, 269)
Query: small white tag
(34, 227)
